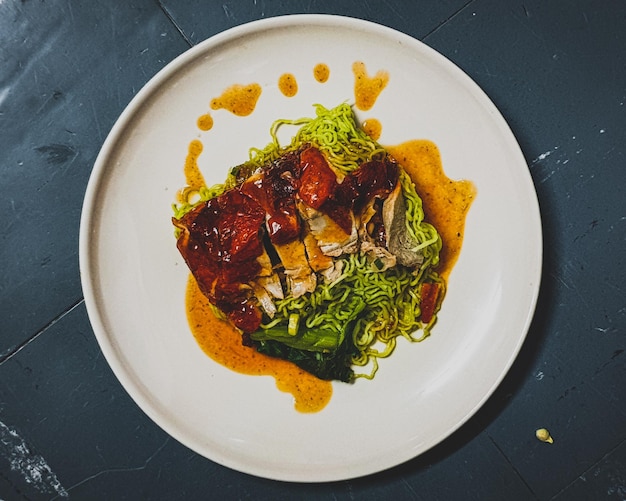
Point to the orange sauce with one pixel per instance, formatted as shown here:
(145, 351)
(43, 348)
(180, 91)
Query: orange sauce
(373, 128)
(205, 122)
(193, 176)
(288, 85)
(222, 342)
(366, 88)
(238, 99)
(445, 201)
(321, 72)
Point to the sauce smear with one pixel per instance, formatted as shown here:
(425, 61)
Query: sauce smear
(238, 99)
(366, 88)
(373, 128)
(445, 201)
(321, 72)
(193, 176)
(222, 342)
(205, 122)
(288, 85)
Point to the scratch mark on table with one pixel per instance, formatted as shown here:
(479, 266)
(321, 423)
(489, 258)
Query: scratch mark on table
(56, 154)
(97, 120)
(71, 12)
(544, 155)
(409, 487)
(617, 288)
(566, 393)
(187, 39)
(448, 19)
(389, 6)
(14, 350)
(32, 467)
(262, 13)
(120, 469)
(560, 279)
(229, 13)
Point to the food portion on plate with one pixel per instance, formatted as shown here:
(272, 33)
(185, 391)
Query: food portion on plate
(317, 252)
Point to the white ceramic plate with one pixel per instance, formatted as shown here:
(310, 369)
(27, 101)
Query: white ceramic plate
(134, 279)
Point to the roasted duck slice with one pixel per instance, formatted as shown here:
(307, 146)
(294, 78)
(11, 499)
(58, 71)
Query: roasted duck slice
(268, 278)
(318, 181)
(330, 221)
(267, 285)
(274, 189)
(332, 239)
(320, 262)
(298, 273)
(399, 241)
(370, 185)
(373, 179)
(220, 240)
(372, 235)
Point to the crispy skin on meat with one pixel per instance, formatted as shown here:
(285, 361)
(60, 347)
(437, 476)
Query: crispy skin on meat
(333, 210)
(329, 220)
(371, 185)
(274, 189)
(221, 243)
(318, 181)
(373, 179)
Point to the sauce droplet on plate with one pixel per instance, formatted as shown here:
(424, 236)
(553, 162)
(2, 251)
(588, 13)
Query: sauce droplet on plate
(373, 128)
(205, 122)
(321, 72)
(238, 99)
(193, 176)
(288, 85)
(366, 88)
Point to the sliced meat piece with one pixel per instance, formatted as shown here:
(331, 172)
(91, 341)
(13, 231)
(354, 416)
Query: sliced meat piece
(265, 299)
(221, 242)
(372, 235)
(268, 278)
(399, 241)
(318, 182)
(319, 190)
(274, 189)
(266, 285)
(331, 238)
(373, 179)
(372, 183)
(300, 277)
(320, 262)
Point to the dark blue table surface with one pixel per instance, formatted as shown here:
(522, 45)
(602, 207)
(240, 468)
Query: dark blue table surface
(556, 70)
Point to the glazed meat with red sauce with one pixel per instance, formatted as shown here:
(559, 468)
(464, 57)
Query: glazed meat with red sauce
(274, 189)
(220, 241)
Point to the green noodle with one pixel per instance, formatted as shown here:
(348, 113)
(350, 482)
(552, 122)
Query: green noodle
(392, 307)
(391, 298)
